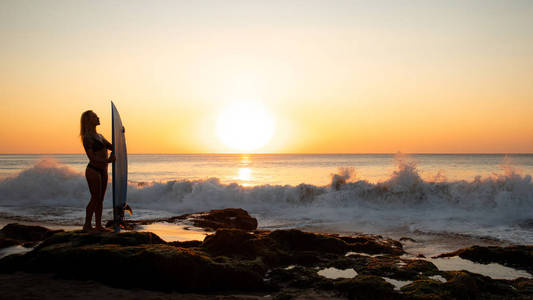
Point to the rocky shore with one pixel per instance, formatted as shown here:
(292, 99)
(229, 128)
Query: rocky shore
(239, 259)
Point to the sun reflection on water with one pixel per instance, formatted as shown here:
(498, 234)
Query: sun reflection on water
(245, 174)
(245, 160)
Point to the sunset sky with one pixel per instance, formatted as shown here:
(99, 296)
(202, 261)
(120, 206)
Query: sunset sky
(333, 76)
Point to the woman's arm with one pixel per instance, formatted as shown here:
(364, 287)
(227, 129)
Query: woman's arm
(107, 144)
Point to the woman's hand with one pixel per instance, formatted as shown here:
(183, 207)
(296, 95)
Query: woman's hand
(111, 158)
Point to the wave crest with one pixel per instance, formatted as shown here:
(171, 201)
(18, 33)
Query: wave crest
(404, 199)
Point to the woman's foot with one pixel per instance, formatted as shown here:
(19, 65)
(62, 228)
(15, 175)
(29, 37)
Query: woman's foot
(87, 228)
(101, 229)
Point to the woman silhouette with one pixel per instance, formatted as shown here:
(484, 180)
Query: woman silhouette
(96, 147)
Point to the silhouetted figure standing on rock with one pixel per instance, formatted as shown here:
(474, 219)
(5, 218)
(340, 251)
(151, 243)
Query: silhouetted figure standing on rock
(96, 147)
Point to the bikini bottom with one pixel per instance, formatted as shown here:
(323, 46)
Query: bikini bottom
(100, 171)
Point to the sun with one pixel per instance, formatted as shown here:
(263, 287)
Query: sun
(245, 126)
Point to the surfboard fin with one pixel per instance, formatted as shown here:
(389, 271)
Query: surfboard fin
(128, 209)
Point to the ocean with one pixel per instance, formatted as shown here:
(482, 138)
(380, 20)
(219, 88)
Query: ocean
(480, 196)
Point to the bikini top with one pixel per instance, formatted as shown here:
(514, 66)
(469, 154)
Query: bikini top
(96, 144)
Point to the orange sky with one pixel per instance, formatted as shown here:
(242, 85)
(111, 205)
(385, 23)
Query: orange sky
(337, 77)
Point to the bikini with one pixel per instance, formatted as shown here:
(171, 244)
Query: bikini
(96, 145)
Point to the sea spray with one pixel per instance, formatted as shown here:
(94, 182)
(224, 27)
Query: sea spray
(493, 205)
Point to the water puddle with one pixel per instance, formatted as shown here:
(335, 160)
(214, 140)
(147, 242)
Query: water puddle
(13, 250)
(398, 284)
(334, 273)
(438, 278)
(363, 254)
(173, 232)
(493, 270)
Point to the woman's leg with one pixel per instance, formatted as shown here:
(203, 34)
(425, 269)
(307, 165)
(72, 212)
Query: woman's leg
(94, 181)
(100, 205)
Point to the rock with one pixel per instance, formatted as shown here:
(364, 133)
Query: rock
(80, 238)
(373, 245)
(242, 260)
(518, 256)
(425, 289)
(407, 239)
(296, 240)
(423, 266)
(298, 277)
(230, 242)
(7, 242)
(466, 285)
(276, 247)
(186, 244)
(366, 287)
(25, 233)
(123, 260)
(224, 218)
(524, 285)
(236, 218)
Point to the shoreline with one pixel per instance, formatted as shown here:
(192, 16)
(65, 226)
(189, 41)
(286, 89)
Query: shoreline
(425, 243)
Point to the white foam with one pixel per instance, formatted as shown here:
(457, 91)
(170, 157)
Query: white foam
(492, 206)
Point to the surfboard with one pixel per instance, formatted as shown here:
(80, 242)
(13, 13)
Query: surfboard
(120, 169)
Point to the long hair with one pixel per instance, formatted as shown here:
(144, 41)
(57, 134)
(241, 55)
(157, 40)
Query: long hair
(84, 123)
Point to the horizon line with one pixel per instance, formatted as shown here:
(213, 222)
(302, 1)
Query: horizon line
(296, 153)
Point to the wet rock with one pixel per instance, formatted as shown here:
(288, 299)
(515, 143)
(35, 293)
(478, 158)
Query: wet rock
(425, 289)
(224, 218)
(275, 248)
(230, 242)
(386, 266)
(236, 218)
(296, 240)
(129, 261)
(25, 233)
(407, 239)
(524, 286)
(186, 244)
(242, 260)
(518, 256)
(298, 277)
(395, 268)
(463, 285)
(373, 245)
(366, 287)
(467, 285)
(80, 238)
(7, 242)
(422, 266)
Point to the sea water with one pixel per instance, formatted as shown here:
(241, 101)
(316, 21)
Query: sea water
(485, 196)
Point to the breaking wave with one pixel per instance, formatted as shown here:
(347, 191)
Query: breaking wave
(494, 205)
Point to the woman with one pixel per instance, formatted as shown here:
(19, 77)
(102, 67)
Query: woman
(96, 147)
